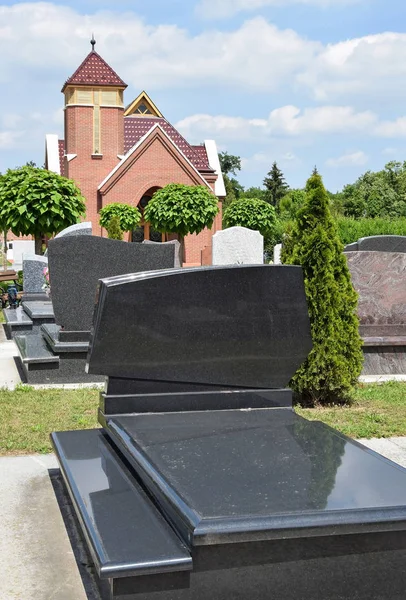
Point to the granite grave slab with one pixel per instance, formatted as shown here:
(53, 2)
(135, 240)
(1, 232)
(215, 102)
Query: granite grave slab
(378, 243)
(76, 263)
(379, 278)
(178, 250)
(230, 494)
(237, 245)
(84, 228)
(233, 352)
(33, 276)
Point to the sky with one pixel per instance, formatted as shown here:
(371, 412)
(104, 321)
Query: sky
(302, 82)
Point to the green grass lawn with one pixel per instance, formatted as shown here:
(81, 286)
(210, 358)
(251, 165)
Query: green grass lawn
(28, 416)
(2, 319)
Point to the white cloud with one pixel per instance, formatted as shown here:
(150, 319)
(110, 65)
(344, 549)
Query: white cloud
(43, 40)
(285, 121)
(226, 8)
(390, 151)
(9, 139)
(373, 66)
(53, 39)
(354, 159)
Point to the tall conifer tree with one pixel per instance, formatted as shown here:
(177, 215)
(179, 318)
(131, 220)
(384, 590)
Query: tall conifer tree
(335, 362)
(275, 184)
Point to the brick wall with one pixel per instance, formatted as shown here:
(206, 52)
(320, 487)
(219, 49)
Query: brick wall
(87, 170)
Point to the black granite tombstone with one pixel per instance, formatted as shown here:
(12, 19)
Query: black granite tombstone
(77, 263)
(203, 483)
(378, 243)
(57, 353)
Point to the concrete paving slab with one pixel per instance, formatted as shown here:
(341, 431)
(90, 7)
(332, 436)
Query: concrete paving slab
(392, 448)
(36, 555)
(9, 375)
(381, 378)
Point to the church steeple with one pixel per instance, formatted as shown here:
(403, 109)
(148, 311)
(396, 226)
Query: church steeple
(94, 108)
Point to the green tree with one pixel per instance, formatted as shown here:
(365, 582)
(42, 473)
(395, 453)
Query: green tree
(251, 213)
(38, 202)
(290, 204)
(182, 209)
(114, 230)
(230, 164)
(335, 361)
(254, 192)
(275, 184)
(129, 216)
(377, 194)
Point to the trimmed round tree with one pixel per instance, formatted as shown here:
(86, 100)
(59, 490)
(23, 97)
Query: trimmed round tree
(251, 213)
(335, 361)
(38, 202)
(181, 209)
(129, 216)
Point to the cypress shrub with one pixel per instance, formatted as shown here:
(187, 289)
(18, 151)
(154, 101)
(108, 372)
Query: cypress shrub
(335, 361)
(114, 230)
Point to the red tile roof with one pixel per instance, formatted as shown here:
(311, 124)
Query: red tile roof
(61, 148)
(94, 71)
(136, 127)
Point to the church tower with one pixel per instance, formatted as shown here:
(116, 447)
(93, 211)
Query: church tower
(94, 126)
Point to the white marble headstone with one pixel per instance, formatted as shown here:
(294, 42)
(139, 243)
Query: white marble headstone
(238, 246)
(277, 254)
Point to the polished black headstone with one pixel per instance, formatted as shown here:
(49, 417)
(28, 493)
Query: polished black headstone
(242, 326)
(77, 263)
(379, 243)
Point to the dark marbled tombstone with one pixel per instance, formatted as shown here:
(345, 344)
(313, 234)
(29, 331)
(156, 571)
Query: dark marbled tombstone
(203, 483)
(76, 263)
(380, 280)
(378, 243)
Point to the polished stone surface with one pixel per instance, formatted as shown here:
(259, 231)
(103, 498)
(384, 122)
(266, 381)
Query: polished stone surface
(16, 322)
(33, 349)
(76, 264)
(380, 280)
(244, 326)
(16, 317)
(39, 309)
(237, 246)
(177, 249)
(384, 359)
(213, 400)
(259, 474)
(127, 535)
(84, 228)
(379, 243)
(33, 273)
(51, 333)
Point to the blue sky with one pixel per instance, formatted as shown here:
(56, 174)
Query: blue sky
(302, 82)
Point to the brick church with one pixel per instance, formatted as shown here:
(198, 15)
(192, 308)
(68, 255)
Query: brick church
(124, 154)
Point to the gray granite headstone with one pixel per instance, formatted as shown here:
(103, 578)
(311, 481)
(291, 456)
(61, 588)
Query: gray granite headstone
(78, 229)
(379, 243)
(177, 249)
(76, 263)
(238, 246)
(33, 273)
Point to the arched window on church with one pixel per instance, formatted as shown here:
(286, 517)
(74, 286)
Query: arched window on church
(144, 231)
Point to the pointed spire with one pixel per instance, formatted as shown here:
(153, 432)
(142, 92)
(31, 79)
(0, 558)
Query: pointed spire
(94, 71)
(93, 42)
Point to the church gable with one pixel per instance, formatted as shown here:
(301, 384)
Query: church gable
(142, 106)
(154, 148)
